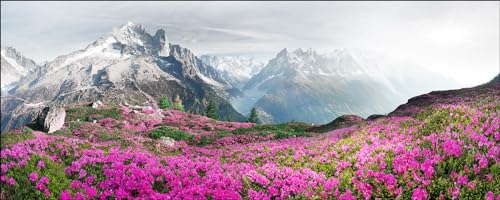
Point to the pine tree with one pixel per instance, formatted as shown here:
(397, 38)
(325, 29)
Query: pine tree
(178, 104)
(165, 103)
(229, 118)
(212, 111)
(253, 116)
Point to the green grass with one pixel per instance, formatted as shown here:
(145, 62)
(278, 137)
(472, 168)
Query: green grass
(88, 114)
(11, 138)
(293, 128)
(165, 131)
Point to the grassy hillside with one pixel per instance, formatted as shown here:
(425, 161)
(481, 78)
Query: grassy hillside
(440, 147)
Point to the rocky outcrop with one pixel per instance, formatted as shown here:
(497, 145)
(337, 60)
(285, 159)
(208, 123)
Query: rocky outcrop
(340, 122)
(51, 119)
(167, 141)
(374, 117)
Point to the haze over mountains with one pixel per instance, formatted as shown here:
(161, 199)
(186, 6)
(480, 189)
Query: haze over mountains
(136, 67)
(308, 86)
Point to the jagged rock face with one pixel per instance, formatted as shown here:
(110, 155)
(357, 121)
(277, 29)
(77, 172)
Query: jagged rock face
(308, 86)
(205, 72)
(51, 119)
(14, 67)
(162, 39)
(128, 66)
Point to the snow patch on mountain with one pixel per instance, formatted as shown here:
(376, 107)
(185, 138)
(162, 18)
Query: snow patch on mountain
(235, 69)
(210, 81)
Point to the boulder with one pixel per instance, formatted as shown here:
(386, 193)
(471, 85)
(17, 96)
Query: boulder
(97, 104)
(51, 119)
(167, 141)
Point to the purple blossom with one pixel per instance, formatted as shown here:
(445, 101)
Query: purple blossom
(40, 164)
(462, 180)
(33, 177)
(419, 194)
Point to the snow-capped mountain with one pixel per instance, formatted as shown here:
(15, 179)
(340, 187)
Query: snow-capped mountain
(14, 67)
(128, 66)
(308, 86)
(237, 70)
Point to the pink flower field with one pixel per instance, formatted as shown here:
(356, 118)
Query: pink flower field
(449, 149)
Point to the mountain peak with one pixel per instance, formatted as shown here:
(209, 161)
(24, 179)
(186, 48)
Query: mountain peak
(132, 34)
(129, 23)
(14, 67)
(164, 47)
(9, 51)
(283, 52)
(132, 26)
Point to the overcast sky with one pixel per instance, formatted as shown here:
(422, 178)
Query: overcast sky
(460, 39)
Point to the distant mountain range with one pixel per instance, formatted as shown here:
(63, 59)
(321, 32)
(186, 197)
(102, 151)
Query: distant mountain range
(136, 67)
(304, 85)
(236, 70)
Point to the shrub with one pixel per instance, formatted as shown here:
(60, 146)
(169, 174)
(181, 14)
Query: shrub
(206, 140)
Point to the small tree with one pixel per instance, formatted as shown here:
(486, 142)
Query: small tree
(178, 104)
(212, 111)
(253, 116)
(229, 118)
(165, 103)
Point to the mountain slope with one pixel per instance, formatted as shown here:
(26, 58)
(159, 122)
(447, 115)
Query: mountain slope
(128, 66)
(14, 67)
(326, 86)
(419, 103)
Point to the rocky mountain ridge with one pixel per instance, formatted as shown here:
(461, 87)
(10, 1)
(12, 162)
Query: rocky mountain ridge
(129, 66)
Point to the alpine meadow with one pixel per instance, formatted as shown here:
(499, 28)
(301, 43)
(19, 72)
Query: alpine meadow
(250, 100)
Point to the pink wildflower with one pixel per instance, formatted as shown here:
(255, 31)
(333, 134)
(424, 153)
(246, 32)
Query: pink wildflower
(40, 164)
(419, 194)
(33, 177)
(462, 180)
